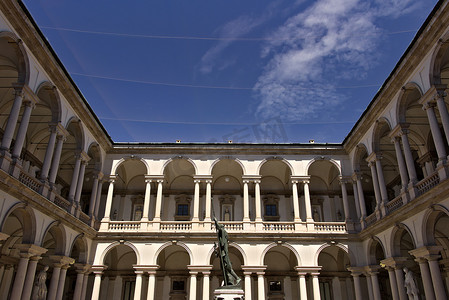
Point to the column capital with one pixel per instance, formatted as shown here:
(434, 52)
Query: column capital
(146, 268)
(200, 268)
(197, 181)
(82, 268)
(98, 269)
(30, 250)
(356, 271)
(61, 261)
(202, 177)
(427, 252)
(433, 93)
(251, 177)
(3, 236)
(98, 174)
(301, 179)
(373, 157)
(257, 181)
(399, 130)
(372, 269)
(112, 178)
(345, 179)
(357, 175)
(254, 269)
(393, 262)
(308, 269)
(19, 89)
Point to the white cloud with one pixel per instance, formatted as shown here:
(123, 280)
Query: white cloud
(309, 49)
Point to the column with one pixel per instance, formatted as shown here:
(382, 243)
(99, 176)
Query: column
(316, 286)
(369, 285)
(400, 281)
(372, 166)
(437, 281)
(29, 279)
(435, 129)
(344, 194)
(439, 97)
(51, 295)
(146, 203)
(80, 182)
(80, 270)
(426, 278)
(49, 153)
(93, 196)
(245, 201)
(208, 200)
(12, 119)
(6, 281)
(393, 283)
(295, 201)
(107, 211)
(97, 284)
(56, 158)
(381, 180)
(361, 196)
(157, 211)
(408, 155)
(401, 163)
(357, 285)
(20, 138)
(138, 287)
(356, 199)
(98, 198)
(151, 285)
(247, 285)
(196, 201)
(192, 290)
(19, 280)
(84, 288)
(61, 282)
(206, 286)
(307, 203)
(375, 284)
(260, 285)
(75, 175)
(258, 201)
(302, 286)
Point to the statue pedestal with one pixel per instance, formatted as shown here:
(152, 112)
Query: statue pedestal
(228, 294)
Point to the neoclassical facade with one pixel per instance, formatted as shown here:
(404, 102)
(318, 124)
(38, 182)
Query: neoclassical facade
(364, 219)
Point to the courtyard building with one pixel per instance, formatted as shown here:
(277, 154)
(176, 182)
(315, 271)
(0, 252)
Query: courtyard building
(305, 221)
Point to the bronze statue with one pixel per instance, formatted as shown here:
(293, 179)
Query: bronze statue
(230, 278)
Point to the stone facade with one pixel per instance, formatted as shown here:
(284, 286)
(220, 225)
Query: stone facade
(305, 221)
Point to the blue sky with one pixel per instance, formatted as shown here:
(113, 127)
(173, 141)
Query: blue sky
(210, 71)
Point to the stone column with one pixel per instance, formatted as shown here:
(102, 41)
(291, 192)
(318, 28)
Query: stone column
(426, 278)
(80, 182)
(258, 201)
(62, 276)
(84, 288)
(408, 154)
(81, 270)
(437, 281)
(358, 177)
(315, 286)
(393, 283)
(98, 198)
(93, 196)
(302, 286)
(395, 264)
(12, 118)
(374, 281)
(6, 281)
(98, 271)
(401, 163)
(20, 138)
(435, 129)
(107, 211)
(357, 284)
(381, 180)
(146, 203)
(372, 166)
(260, 285)
(192, 290)
(151, 285)
(138, 287)
(295, 201)
(307, 201)
(206, 285)
(344, 194)
(439, 98)
(196, 201)
(75, 176)
(56, 159)
(49, 152)
(29, 279)
(52, 290)
(245, 201)
(247, 285)
(157, 211)
(356, 199)
(21, 272)
(208, 200)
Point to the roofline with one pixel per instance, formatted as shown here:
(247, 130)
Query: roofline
(396, 67)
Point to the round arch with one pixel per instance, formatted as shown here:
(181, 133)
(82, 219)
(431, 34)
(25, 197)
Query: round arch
(371, 250)
(356, 158)
(81, 242)
(437, 59)
(234, 245)
(124, 159)
(396, 236)
(59, 234)
(179, 157)
(287, 245)
(322, 158)
(352, 257)
(55, 100)
(24, 64)
(401, 104)
(167, 244)
(278, 158)
(94, 147)
(79, 134)
(429, 221)
(376, 132)
(224, 158)
(29, 221)
(114, 244)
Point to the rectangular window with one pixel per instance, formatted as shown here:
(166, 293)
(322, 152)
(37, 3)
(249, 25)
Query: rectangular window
(178, 285)
(271, 210)
(275, 286)
(183, 210)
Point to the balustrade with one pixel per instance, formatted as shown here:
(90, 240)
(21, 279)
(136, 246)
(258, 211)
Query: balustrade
(371, 219)
(30, 181)
(394, 204)
(279, 226)
(230, 225)
(330, 226)
(175, 226)
(124, 226)
(427, 183)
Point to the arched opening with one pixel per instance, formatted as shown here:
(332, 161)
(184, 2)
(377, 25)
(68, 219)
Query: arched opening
(325, 192)
(129, 191)
(79, 254)
(172, 277)
(120, 275)
(237, 262)
(335, 279)
(227, 190)
(364, 172)
(179, 188)
(386, 153)
(275, 190)
(92, 170)
(376, 255)
(280, 275)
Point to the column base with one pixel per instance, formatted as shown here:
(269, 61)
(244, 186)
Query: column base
(5, 160)
(15, 167)
(412, 191)
(229, 294)
(442, 169)
(310, 224)
(405, 197)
